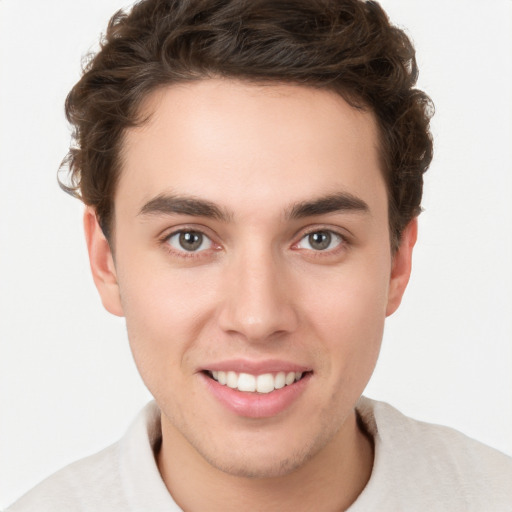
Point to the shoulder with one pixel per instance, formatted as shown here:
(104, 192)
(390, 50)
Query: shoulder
(439, 467)
(80, 486)
(121, 477)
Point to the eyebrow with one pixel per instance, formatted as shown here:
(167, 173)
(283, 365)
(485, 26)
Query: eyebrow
(340, 202)
(164, 204)
(184, 205)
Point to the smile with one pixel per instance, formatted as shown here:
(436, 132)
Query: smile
(246, 382)
(256, 389)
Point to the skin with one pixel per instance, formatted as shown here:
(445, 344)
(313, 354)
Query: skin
(259, 290)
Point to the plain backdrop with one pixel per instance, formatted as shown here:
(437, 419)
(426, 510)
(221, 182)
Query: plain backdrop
(68, 386)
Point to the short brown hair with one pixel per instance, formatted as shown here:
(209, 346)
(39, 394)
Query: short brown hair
(347, 46)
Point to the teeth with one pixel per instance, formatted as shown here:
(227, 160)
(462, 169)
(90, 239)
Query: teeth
(246, 382)
(232, 380)
(290, 378)
(264, 383)
(280, 380)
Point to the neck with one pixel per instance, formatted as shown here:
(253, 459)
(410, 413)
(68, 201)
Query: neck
(331, 480)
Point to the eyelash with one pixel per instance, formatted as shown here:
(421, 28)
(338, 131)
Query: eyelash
(340, 246)
(165, 241)
(342, 241)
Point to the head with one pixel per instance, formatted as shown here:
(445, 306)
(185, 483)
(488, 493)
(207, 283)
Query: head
(252, 172)
(348, 47)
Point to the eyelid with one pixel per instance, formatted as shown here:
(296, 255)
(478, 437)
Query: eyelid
(204, 240)
(344, 239)
(176, 230)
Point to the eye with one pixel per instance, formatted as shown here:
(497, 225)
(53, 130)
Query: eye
(189, 241)
(321, 240)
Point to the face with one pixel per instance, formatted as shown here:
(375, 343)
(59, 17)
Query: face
(253, 266)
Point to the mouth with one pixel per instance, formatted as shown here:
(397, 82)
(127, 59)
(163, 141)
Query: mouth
(250, 383)
(257, 389)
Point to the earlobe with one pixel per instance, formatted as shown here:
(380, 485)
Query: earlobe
(401, 267)
(102, 263)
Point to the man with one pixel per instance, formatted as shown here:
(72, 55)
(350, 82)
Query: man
(252, 173)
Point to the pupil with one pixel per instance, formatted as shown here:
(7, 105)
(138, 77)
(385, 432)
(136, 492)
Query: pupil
(190, 240)
(320, 240)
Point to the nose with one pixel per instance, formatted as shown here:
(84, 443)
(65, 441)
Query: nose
(258, 301)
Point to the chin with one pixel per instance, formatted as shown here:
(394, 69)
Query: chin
(247, 467)
(264, 461)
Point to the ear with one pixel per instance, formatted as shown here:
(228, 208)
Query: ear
(401, 266)
(102, 263)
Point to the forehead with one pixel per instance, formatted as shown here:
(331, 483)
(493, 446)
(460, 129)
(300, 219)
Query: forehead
(240, 144)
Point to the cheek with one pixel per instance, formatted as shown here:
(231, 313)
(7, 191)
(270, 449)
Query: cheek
(165, 312)
(350, 319)
(355, 324)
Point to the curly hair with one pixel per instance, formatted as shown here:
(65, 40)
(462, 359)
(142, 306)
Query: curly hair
(346, 46)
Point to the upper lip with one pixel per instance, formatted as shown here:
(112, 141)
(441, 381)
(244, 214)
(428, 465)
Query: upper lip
(255, 367)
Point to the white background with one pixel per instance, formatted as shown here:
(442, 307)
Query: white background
(68, 386)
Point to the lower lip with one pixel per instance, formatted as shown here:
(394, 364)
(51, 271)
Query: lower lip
(257, 405)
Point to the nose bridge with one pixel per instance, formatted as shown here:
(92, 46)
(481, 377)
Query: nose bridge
(258, 303)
